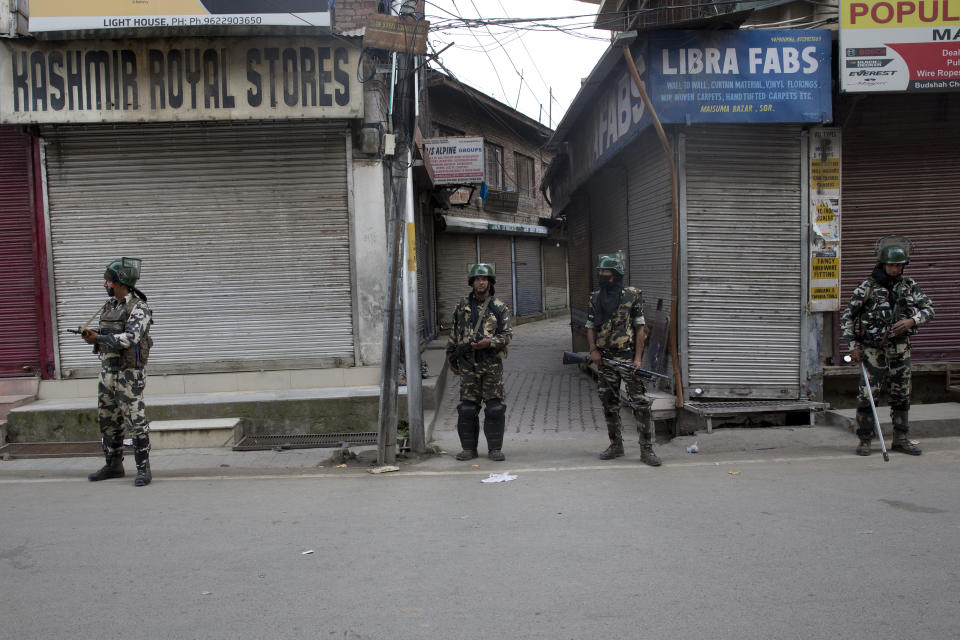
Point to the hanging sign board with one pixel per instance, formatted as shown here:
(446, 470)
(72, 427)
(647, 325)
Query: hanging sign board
(70, 15)
(824, 197)
(395, 33)
(911, 45)
(455, 160)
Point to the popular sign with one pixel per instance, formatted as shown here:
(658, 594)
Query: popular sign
(67, 15)
(196, 79)
(903, 45)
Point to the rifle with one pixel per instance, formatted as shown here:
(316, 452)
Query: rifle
(578, 358)
(458, 359)
(79, 330)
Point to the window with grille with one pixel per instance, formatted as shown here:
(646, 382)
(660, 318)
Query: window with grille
(493, 165)
(526, 184)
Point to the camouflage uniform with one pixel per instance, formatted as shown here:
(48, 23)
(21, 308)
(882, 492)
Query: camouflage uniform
(482, 380)
(876, 308)
(615, 339)
(124, 347)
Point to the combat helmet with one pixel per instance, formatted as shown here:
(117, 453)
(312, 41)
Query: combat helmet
(482, 269)
(611, 261)
(125, 271)
(894, 250)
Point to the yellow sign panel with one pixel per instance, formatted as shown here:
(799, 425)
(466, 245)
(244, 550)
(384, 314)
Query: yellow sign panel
(411, 247)
(883, 14)
(824, 268)
(825, 213)
(825, 174)
(824, 293)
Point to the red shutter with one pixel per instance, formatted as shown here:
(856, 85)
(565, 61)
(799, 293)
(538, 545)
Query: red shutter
(20, 293)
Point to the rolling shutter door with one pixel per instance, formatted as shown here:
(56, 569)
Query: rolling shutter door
(900, 177)
(496, 250)
(20, 325)
(554, 275)
(650, 210)
(580, 270)
(608, 215)
(242, 228)
(529, 278)
(742, 261)
(454, 252)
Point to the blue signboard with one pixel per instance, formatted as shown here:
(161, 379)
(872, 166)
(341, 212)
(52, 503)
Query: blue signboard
(740, 76)
(731, 76)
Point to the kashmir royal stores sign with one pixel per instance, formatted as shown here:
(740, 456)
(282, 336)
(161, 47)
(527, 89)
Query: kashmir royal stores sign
(906, 45)
(69, 15)
(731, 76)
(177, 79)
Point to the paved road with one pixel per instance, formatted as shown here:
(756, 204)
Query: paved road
(808, 548)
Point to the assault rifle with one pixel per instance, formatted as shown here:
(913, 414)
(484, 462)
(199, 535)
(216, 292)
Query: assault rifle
(626, 367)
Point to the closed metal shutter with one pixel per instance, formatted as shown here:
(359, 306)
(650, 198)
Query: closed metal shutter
(554, 275)
(742, 261)
(529, 277)
(454, 252)
(580, 271)
(608, 215)
(20, 308)
(650, 209)
(497, 251)
(900, 176)
(242, 228)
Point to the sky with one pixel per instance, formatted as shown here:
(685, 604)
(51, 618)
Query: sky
(547, 54)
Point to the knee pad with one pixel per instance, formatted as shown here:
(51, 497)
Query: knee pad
(468, 409)
(495, 409)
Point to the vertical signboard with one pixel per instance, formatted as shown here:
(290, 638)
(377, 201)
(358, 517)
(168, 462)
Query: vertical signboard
(824, 166)
(911, 45)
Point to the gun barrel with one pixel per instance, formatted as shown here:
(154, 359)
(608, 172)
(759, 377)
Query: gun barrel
(572, 358)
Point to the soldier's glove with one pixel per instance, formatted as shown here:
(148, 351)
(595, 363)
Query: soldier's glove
(481, 344)
(856, 355)
(89, 336)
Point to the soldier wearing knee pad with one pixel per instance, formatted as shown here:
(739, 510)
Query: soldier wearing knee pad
(123, 342)
(616, 328)
(477, 346)
(884, 311)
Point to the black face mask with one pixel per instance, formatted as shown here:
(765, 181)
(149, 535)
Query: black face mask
(610, 282)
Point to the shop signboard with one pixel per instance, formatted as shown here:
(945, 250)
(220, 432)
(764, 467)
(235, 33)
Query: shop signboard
(71, 15)
(145, 80)
(455, 160)
(909, 45)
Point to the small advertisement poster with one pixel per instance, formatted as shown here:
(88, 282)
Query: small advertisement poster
(70, 15)
(899, 46)
(824, 171)
(455, 160)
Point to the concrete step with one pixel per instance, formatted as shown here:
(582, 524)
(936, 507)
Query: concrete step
(936, 420)
(12, 401)
(190, 434)
(19, 386)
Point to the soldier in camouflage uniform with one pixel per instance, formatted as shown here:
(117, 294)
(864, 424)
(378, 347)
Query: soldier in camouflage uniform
(884, 311)
(123, 342)
(478, 344)
(616, 329)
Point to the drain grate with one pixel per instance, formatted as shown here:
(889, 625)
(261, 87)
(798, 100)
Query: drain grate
(25, 450)
(306, 441)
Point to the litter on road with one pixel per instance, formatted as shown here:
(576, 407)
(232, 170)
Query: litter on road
(499, 477)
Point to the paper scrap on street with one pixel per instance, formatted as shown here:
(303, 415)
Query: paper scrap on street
(734, 473)
(307, 552)
(341, 466)
(500, 477)
(694, 447)
(387, 468)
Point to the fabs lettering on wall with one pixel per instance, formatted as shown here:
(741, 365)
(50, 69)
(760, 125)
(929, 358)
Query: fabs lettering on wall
(181, 79)
(735, 76)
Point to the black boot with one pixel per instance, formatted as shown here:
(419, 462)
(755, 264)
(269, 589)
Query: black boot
(901, 427)
(865, 430)
(494, 424)
(113, 468)
(645, 430)
(615, 433)
(468, 428)
(141, 453)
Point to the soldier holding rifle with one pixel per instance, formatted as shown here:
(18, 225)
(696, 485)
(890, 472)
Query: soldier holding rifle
(616, 329)
(884, 311)
(478, 344)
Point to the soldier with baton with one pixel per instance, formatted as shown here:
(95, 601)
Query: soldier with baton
(884, 311)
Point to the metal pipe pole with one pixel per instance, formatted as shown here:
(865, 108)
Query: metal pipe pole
(411, 333)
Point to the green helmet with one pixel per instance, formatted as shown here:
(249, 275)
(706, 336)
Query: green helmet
(611, 261)
(482, 269)
(893, 254)
(125, 271)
